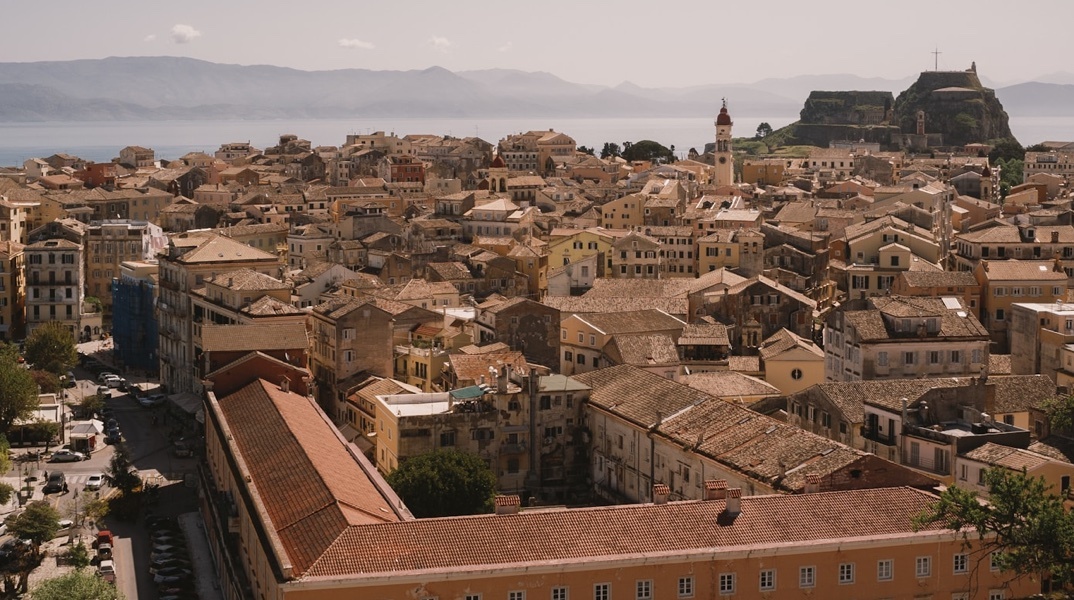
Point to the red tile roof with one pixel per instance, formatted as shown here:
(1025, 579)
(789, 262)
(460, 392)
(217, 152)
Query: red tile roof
(487, 541)
(311, 484)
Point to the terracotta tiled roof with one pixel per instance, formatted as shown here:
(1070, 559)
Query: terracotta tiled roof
(217, 248)
(248, 280)
(704, 334)
(929, 279)
(571, 535)
(744, 364)
(638, 395)
(1005, 456)
(1022, 270)
(311, 485)
(1019, 393)
(267, 306)
(999, 364)
(638, 321)
(1055, 447)
(643, 350)
(783, 340)
(275, 336)
(472, 367)
(954, 323)
(729, 385)
(568, 305)
(493, 347)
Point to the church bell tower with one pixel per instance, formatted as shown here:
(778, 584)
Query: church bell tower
(725, 171)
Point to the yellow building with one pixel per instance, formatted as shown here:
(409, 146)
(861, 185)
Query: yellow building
(627, 212)
(970, 467)
(12, 292)
(1006, 282)
(791, 363)
(305, 531)
(566, 246)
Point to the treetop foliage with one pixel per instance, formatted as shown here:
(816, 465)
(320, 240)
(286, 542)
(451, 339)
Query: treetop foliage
(445, 483)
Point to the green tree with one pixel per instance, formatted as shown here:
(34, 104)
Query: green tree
(91, 405)
(648, 150)
(52, 347)
(445, 483)
(38, 523)
(18, 390)
(763, 130)
(47, 381)
(1023, 524)
(6, 491)
(121, 474)
(586, 150)
(1006, 149)
(1060, 411)
(78, 585)
(78, 556)
(610, 150)
(93, 507)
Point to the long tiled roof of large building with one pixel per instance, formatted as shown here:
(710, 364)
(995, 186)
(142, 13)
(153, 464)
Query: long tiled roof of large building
(616, 532)
(311, 485)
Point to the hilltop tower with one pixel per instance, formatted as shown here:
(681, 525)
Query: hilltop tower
(725, 171)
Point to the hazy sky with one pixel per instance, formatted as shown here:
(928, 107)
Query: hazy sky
(649, 43)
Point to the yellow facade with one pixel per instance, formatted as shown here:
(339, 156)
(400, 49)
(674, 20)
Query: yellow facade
(581, 243)
(920, 566)
(625, 213)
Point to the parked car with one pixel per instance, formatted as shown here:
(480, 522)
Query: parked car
(105, 376)
(183, 450)
(107, 570)
(116, 382)
(104, 391)
(170, 562)
(95, 481)
(65, 455)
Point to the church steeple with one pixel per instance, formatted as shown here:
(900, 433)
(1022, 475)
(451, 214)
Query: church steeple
(724, 161)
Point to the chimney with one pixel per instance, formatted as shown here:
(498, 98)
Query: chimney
(715, 489)
(812, 483)
(1055, 237)
(660, 493)
(285, 384)
(508, 505)
(501, 381)
(734, 501)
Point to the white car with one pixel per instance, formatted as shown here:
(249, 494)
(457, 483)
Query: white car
(95, 481)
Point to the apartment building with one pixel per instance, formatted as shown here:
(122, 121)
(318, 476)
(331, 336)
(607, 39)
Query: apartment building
(190, 259)
(1006, 282)
(109, 244)
(12, 292)
(135, 335)
(353, 339)
(893, 337)
(55, 277)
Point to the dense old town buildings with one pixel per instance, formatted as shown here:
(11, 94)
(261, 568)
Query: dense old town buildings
(745, 380)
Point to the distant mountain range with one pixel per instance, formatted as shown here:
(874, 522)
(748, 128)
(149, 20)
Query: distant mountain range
(147, 88)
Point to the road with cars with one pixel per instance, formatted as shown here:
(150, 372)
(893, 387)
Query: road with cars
(139, 426)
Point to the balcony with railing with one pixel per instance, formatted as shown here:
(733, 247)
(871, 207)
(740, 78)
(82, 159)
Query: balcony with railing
(874, 434)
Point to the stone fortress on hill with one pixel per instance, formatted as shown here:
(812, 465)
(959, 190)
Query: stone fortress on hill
(941, 109)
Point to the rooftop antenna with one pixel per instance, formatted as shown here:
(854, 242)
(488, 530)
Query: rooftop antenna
(936, 57)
